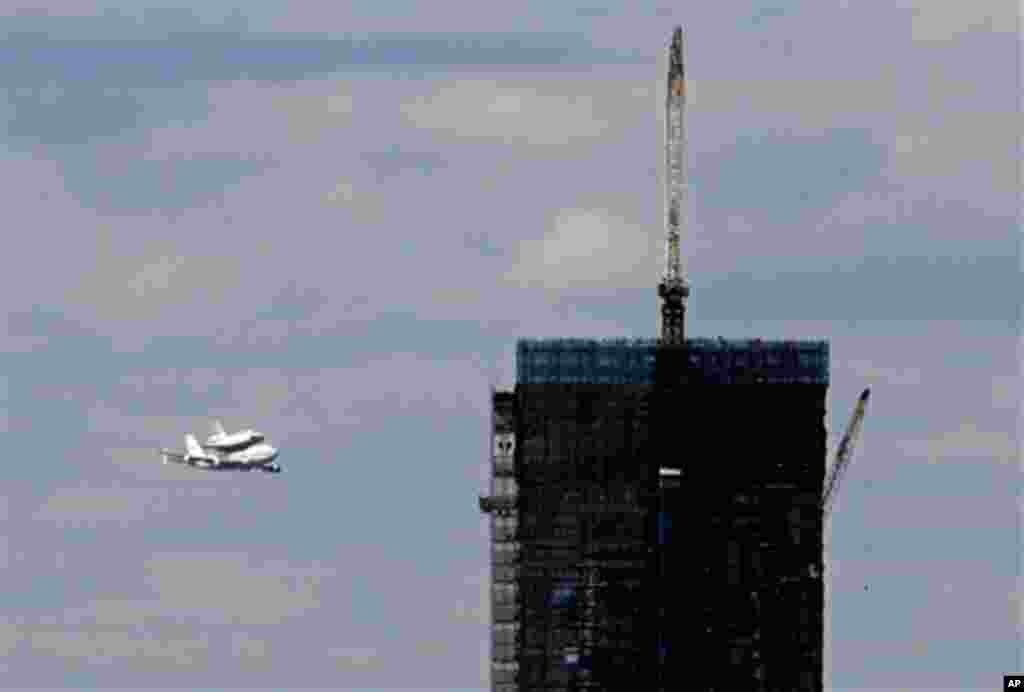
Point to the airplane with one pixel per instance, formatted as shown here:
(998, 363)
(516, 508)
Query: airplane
(257, 457)
(222, 441)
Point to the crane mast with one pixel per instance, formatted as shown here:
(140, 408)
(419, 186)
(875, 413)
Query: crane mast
(673, 288)
(844, 453)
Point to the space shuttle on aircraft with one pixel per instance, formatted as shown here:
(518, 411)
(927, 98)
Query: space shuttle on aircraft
(241, 451)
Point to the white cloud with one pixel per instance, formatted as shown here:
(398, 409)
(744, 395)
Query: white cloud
(253, 120)
(874, 375)
(244, 646)
(88, 505)
(117, 612)
(228, 588)
(263, 399)
(342, 193)
(540, 113)
(154, 284)
(284, 403)
(155, 276)
(944, 21)
(132, 424)
(11, 635)
(198, 380)
(141, 276)
(919, 647)
(1007, 392)
(433, 648)
(785, 104)
(352, 656)
(138, 275)
(968, 442)
(478, 609)
(587, 247)
(968, 142)
(449, 15)
(98, 646)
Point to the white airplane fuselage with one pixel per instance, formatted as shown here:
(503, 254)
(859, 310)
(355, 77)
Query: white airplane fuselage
(260, 453)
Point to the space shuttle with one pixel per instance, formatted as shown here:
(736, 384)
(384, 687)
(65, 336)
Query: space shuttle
(220, 439)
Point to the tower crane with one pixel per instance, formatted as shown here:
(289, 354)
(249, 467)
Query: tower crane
(673, 289)
(844, 453)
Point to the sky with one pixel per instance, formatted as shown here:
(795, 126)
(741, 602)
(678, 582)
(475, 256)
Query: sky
(331, 221)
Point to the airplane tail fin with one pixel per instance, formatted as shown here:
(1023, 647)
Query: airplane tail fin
(192, 447)
(217, 428)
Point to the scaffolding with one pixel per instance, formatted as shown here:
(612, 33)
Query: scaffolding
(585, 491)
(640, 361)
(588, 591)
(500, 505)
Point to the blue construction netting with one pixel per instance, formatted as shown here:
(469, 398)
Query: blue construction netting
(632, 361)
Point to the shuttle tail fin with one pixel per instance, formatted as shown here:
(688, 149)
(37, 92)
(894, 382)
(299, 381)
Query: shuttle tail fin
(192, 448)
(218, 429)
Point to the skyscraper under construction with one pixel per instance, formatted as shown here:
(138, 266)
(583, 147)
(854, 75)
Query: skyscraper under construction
(655, 504)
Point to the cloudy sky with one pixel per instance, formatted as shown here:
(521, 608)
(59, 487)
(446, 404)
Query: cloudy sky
(331, 221)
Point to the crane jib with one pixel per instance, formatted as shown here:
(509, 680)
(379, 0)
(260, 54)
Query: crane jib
(673, 289)
(845, 452)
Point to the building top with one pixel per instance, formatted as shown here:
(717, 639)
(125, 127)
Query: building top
(719, 343)
(632, 361)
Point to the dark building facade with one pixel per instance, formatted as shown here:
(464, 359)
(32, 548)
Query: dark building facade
(660, 510)
(740, 539)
